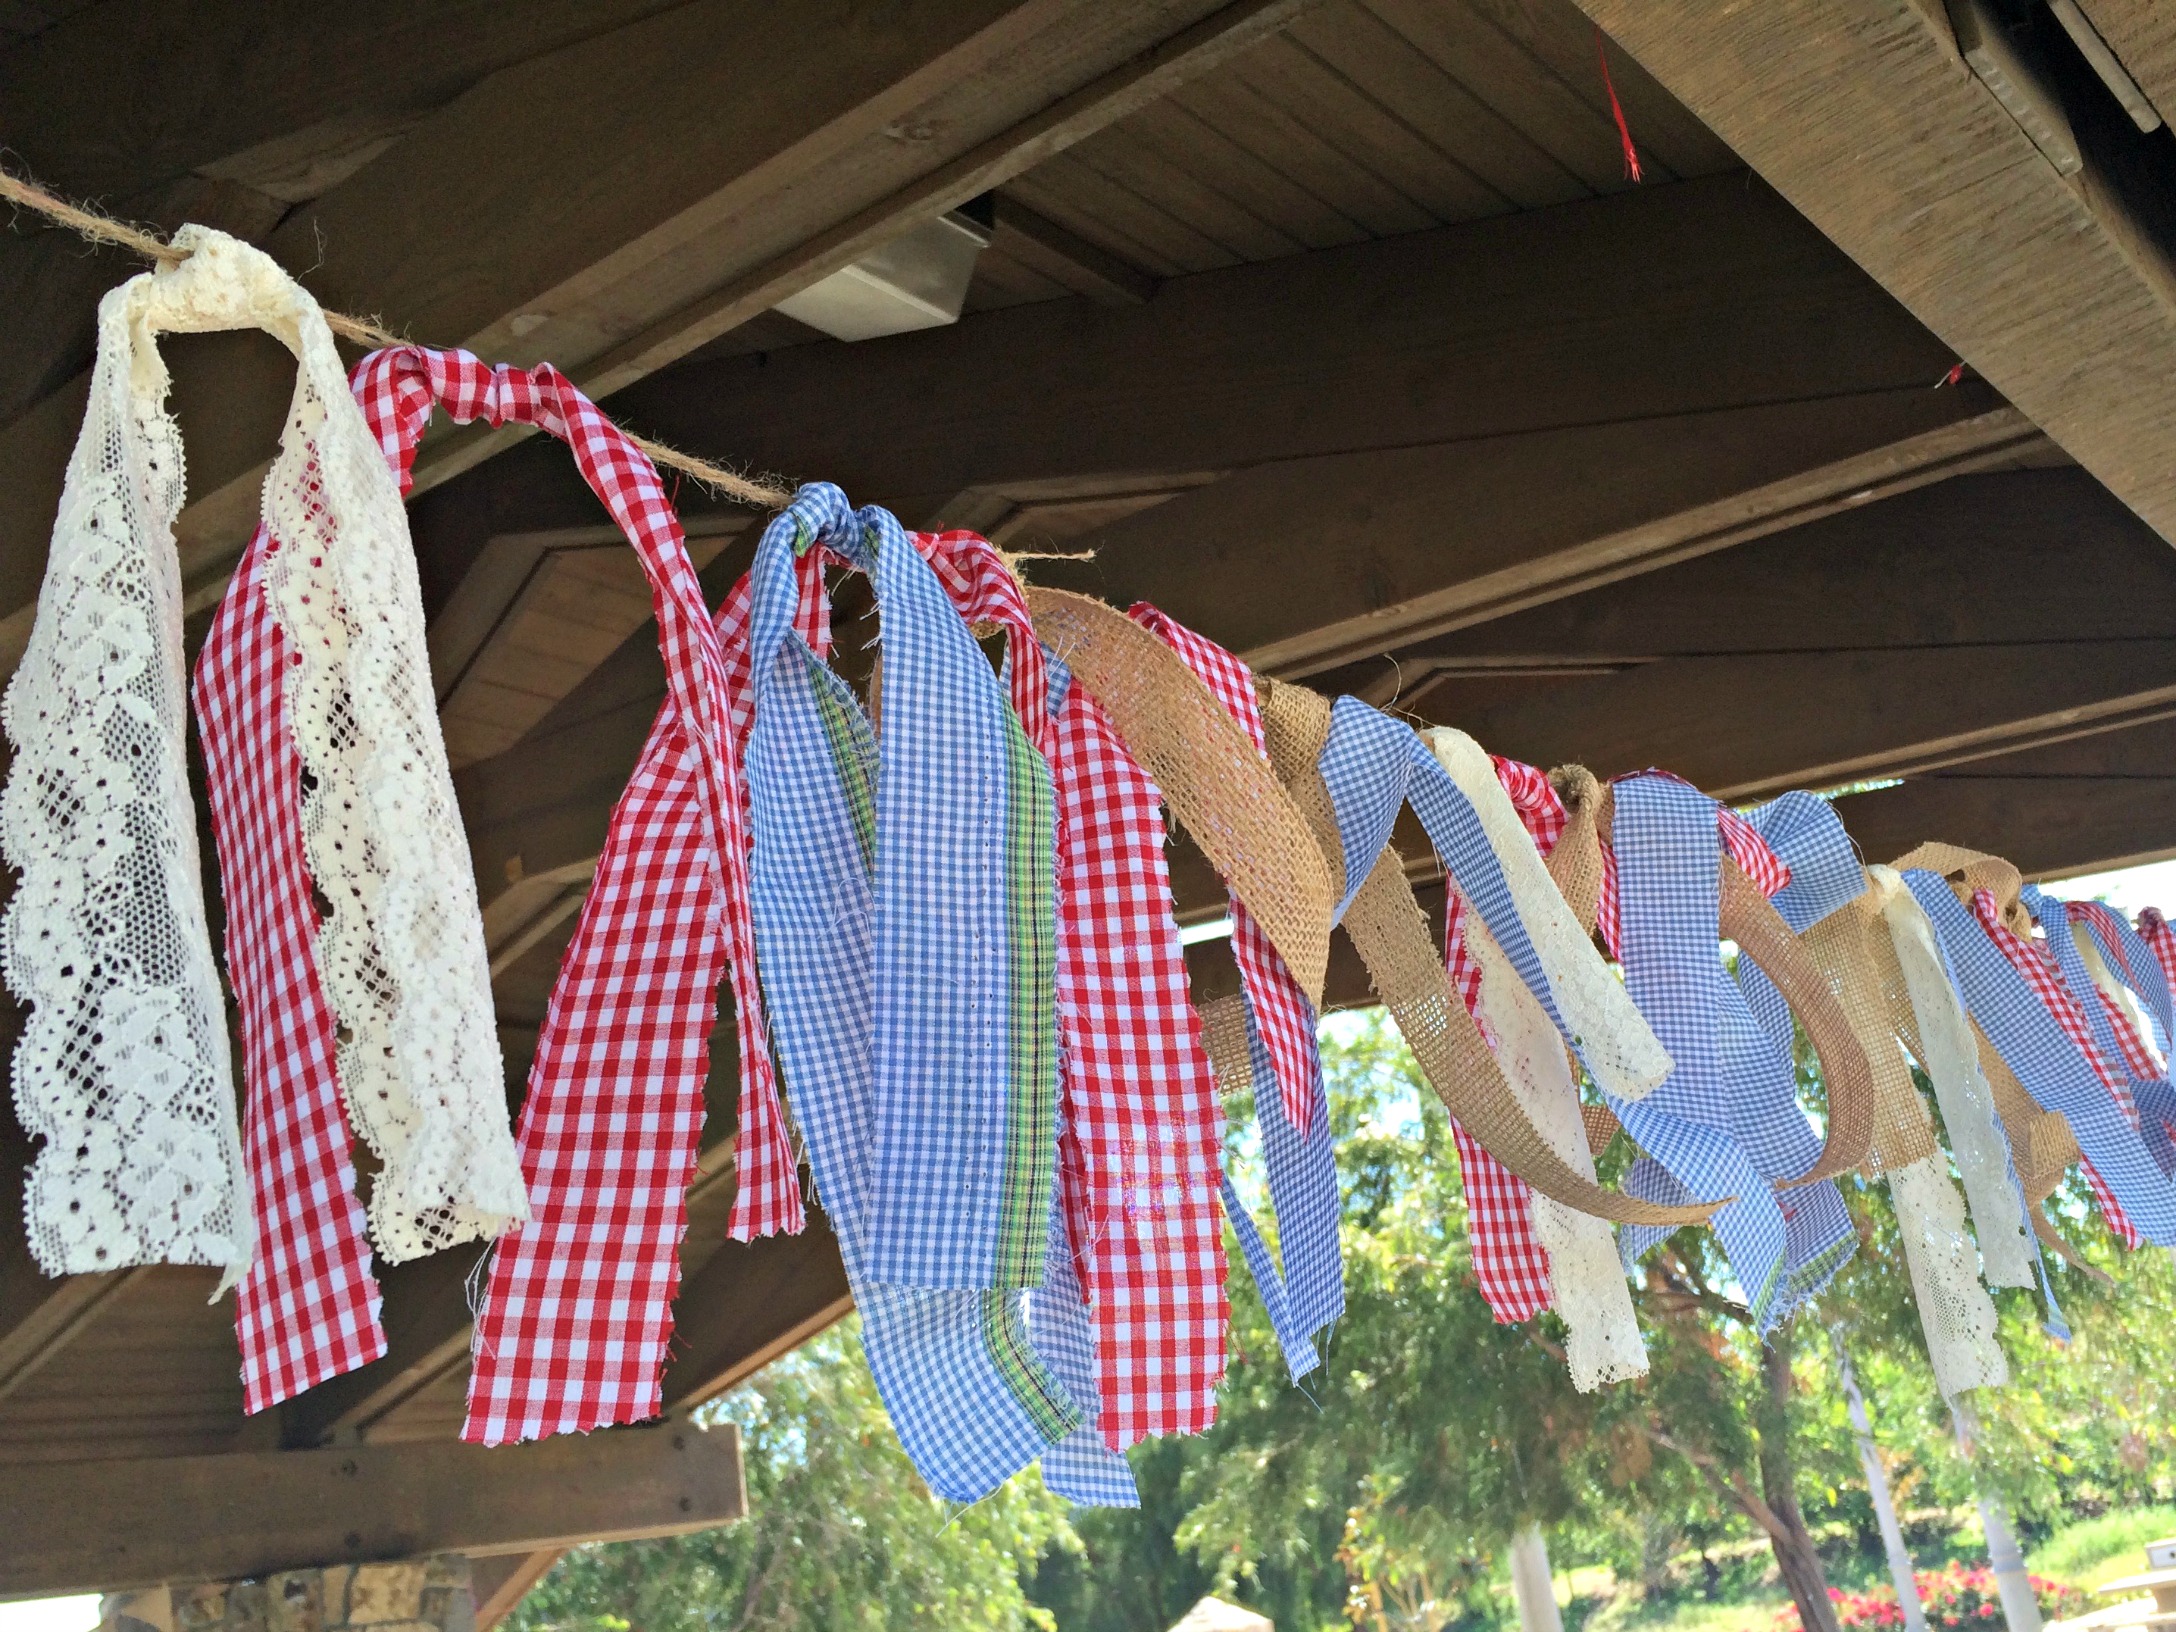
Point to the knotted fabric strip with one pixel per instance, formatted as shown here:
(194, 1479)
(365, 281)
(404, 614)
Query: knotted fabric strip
(835, 824)
(2109, 1033)
(2131, 961)
(333, 624)
(1728, 1121)
(2003, 985)
(572, 1328)
(122, 1069)
(1931, 1022)
(2160, 939)
(1143, 1128)
(1836, 908)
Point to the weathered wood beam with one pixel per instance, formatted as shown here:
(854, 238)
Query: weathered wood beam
(1718, 297)
(2142, 35)
(2081, 806)
(99, 1526)
(1863, 114)
(775, 146)
(503, 1580)
(1070, 261)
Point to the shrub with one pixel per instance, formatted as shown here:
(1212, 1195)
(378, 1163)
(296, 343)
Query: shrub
(1956, 1599)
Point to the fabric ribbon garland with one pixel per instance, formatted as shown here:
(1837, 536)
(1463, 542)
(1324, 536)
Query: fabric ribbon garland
(2025, 1033)
(122, 1069)
(1837, 909)
(2114, 1043)
(1728, 1122)
(844, 860)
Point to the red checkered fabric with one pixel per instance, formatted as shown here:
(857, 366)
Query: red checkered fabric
(1282, 1012)
(2137, 1057)
(308, 1308)
(2037, 964)
(1510, 1264)
(2154, 930)
(572, 1331)
(1143, 1128)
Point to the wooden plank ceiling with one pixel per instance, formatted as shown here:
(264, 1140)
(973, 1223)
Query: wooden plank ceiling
(1336, 328)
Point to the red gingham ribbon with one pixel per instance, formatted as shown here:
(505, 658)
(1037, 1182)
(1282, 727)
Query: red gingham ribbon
(2037, 965)
(1281, 1010)
(1143, 1126)
(308, 1308)
(1510, 1264)
(2154, 930)
(572, 1332)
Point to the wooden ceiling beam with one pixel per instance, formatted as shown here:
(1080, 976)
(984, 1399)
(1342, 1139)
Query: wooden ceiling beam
(1866, 117)
(103, 1526)
(1660, 304)
(2142, 34)
(530, 218)
(752, 1302)
(2085, 805)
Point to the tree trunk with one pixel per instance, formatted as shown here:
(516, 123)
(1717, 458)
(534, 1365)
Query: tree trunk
(1800, 1565)
(1532, 1584)
(1877, 1488)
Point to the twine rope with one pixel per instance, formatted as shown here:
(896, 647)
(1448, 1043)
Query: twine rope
(104, 229)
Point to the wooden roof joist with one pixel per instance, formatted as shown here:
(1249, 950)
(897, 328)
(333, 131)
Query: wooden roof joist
(1863, 113)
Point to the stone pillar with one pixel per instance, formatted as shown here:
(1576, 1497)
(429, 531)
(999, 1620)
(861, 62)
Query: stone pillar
(419, 1595)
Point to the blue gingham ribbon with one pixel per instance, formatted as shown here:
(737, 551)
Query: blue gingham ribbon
(1727, 1121)
(958, 1369)
(2032, 1043)
(1080, 1468)
(2155, 1099)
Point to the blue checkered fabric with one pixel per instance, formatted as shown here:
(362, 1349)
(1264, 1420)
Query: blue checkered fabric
(956, 1368)
(1374, 766)
(2032, 1043)
(1302, 1174)
(1826, 873)
(2154, 1097)
(1298, 1345)
(1080, 1467)
(1726, 1121)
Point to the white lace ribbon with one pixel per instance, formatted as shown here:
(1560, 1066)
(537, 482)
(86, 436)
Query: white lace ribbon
(1614, 1039)
(1587, 1285)
(107, 937)
(123, 1065)
(1952, 1064)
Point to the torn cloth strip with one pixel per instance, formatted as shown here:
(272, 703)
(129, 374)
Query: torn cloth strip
(2109, 1034)
(957, 1367)
(1509, 1262)
(2160, 939)
(572, 1330)
(1740, 838)
(2034, 964)
(1727, 1122)
(2132, 960)
(1143, 1125)
(2024, 1031)
(1286, 1016)
(1297, 1154)
(1822, 872)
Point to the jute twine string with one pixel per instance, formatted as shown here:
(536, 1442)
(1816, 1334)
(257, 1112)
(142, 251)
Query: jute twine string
(1391, 934)
(103, 229)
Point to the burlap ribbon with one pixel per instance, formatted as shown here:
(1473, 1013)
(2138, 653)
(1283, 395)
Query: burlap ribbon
(1391, 934)
(1207, 770)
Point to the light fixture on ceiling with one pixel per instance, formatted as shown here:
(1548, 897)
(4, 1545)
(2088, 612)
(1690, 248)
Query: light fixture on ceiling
(917, 281)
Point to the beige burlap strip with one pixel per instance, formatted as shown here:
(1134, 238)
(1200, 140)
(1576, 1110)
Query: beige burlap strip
(1391, 934)
(1576, 862)
(1207, 769)
(1970, 870)
(1846, 947)
(1224, 1034)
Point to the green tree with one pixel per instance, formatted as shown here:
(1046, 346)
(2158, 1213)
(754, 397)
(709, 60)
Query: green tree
(841, 1534)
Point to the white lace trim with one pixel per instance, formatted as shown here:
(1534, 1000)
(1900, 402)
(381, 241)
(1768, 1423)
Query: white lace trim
(123, 1066)
(1586, 1281)
(1613, 1038)
(1968, 1105)
(401, 954)
(1955, 1312)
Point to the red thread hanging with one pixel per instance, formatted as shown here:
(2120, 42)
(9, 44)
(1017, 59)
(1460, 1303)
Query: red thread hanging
(1616, 108)
(1956, 373)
